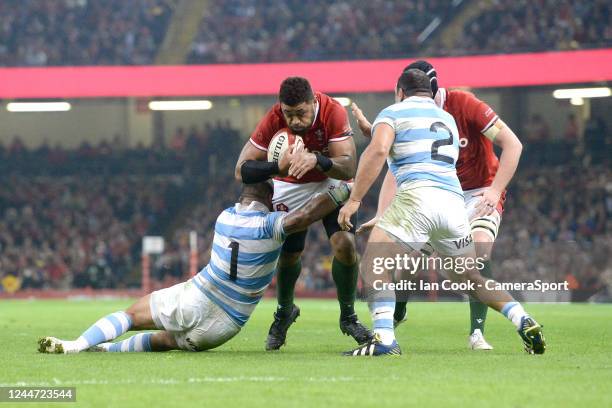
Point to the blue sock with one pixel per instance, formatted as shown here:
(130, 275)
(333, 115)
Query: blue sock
(382, 318)
(138, 342)
(105, 329)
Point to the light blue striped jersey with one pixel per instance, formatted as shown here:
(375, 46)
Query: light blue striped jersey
(426, 144)
(245, 250)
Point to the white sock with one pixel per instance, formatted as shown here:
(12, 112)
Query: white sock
(382, 318)
(515, 313)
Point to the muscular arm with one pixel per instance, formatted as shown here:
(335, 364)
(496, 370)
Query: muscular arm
(343, 155)
(508, 161)
(340, 165)
(252, 165)
(317, 208)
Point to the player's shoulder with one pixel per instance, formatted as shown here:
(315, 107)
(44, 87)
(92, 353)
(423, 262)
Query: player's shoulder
(460, 97)
(327, 104)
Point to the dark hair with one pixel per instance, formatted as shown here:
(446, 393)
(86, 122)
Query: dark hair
(429, 69)
(414, 80)
(295, 90)
(259, 190)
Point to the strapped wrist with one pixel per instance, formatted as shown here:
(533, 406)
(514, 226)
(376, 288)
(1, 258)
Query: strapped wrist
(324, 162)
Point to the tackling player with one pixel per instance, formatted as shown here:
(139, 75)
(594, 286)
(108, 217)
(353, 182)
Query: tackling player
(483, 178)
(421, 142)
(211, 308)
(330, 156)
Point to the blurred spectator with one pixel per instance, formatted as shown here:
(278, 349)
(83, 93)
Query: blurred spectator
(82, 32)
(536, 25)
(237, 31)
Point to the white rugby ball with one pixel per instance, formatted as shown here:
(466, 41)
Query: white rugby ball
(280, 142)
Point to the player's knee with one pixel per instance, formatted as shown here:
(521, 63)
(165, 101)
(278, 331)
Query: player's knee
(289, 258)
(484, 243)
(343, 246)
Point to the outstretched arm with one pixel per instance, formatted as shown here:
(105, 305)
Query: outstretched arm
(364, 124)
(511, 147)
(318, 207)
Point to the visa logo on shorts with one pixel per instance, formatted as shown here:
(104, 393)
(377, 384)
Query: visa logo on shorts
(463, 242)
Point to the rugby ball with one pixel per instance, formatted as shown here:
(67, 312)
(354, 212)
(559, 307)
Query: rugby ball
(281, 142)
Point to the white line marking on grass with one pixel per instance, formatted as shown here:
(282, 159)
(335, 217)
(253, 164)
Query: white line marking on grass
(175, 381)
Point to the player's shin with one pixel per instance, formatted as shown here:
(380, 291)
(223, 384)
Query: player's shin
(138, 343)
(478, 310)
(286, 279)
(107, 328)
(345, 278)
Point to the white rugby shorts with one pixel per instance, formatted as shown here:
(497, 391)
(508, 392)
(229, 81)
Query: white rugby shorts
(422, 214)
(195, 321)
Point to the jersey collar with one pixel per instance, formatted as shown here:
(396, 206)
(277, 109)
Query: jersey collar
(253, 206)
(418, 99)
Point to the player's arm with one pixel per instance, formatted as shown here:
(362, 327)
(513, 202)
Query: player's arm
(364, 124)
(339, 165)
(317, 208)
(511, 146)
(252, 165)
(371, 162)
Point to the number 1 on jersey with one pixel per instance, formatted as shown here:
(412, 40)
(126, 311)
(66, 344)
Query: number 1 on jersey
(234, 260)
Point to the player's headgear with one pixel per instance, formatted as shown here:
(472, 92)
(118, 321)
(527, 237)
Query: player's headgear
(295, 90)
(414, 80)
(427, 68)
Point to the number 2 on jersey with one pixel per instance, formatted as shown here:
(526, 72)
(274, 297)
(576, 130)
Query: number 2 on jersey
(443, 142)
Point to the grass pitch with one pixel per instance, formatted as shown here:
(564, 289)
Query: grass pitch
(436, 369)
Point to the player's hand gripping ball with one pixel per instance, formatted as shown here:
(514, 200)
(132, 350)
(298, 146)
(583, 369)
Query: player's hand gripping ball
(283, 146)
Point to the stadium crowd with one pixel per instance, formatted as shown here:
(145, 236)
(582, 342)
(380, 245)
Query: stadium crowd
(253, 31)
(75, 218)
(115, 32)
(238, 31)
(81, 32)
(540, 25)
(81, 230)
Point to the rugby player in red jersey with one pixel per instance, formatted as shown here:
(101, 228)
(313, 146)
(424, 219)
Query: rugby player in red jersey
(328, 156)
(482, 175)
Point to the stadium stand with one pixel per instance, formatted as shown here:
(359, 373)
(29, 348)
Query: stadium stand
(81, 32)
(48, 241)
(541, 25)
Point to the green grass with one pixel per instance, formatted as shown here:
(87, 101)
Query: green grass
(436, 369)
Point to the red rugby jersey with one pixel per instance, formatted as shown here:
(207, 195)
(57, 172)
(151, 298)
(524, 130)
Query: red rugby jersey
(331, 124)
